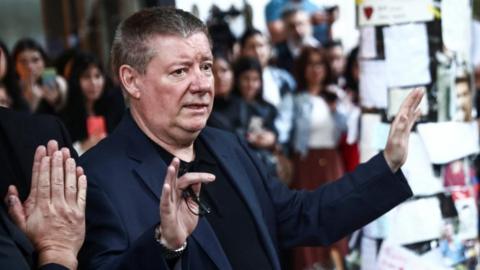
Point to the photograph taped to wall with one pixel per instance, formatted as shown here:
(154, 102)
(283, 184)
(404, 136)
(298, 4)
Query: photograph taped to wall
(458, 173)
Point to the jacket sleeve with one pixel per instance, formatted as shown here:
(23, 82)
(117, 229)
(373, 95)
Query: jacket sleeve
(52, 266)
(332, 211)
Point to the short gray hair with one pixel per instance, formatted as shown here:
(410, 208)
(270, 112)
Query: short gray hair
(130, 44)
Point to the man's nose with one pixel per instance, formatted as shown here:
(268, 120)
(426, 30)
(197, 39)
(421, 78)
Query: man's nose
(201, 82)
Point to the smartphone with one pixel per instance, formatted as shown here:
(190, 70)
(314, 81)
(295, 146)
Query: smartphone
(96, 126)
(49, 77)
(255, 125)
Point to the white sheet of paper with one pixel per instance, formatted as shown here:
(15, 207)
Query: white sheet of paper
(406, 55)
(369, 254)
(395, 257)
(434, 256)
(396, 97)
(418, 169)
(368, 42)
(456, 26)
(379, 227)
(448, 141)
(382, 12)
(415, 221)
(380, 135)
(476, 43)
(373, 84)
(368, 123)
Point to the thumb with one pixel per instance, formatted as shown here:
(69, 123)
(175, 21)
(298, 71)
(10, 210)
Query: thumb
(15, 208)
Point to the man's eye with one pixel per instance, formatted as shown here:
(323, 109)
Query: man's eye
(179, 72)
(207, 67)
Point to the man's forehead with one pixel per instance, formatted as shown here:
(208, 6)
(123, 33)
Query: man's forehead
(194, 43)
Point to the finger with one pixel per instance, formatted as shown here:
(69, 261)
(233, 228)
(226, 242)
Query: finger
(176, 165)
(79, 171)
(196, 188)
(15, 208)
(57, 184)
(416, 116)
(66, 153)
(166, 204)
(170, 181)
(82, 192)
(37, 159)
(194, 178)
(412, 100)
(52, 146)
(70, 182)
(43, 186)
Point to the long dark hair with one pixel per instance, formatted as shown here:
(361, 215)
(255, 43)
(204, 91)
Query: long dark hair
(75, 112)
(10, 82)
(301, 63)
(29, 44)
(351, 81)
(242, 65)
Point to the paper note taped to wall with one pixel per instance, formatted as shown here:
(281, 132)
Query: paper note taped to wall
(373, 84)
(368, 42)
(415, 221)
(406, 55)
(457, 27)
(386, 12)
(448, 141)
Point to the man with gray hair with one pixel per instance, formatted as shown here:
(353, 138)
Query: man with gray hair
(149, 204)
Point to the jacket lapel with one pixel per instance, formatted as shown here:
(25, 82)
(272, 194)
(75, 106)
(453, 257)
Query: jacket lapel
(229, 161)
(151, 170)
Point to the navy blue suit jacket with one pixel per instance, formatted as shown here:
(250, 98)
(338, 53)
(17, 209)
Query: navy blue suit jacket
(125, 175)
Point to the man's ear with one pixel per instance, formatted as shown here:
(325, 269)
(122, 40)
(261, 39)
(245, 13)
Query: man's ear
(128, 77)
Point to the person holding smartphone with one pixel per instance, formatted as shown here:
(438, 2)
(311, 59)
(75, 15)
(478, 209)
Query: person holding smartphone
(42, 88)
(93, 107)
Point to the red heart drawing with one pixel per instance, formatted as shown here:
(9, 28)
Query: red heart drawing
(368, 12)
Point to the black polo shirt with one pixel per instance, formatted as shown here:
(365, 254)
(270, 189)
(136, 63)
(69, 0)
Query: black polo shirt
(230, 217)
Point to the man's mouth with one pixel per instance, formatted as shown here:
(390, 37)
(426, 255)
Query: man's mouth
(199, 107)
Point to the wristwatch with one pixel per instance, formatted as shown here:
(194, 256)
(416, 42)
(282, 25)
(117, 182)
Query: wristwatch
(168, 253)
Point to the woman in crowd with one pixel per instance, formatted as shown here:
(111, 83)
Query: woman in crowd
(43, 90)
(10, 92)
(316, 132)
(254, 117)
(223, 110)
(278, 84)
(93, 108)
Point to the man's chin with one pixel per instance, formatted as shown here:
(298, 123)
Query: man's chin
(196, 127)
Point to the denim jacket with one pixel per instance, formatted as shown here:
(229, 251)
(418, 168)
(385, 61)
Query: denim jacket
(303, 107)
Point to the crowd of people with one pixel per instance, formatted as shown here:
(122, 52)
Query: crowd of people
(293, 100)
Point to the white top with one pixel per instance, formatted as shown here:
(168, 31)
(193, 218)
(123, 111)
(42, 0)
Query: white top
(271, 89)
(322, 125)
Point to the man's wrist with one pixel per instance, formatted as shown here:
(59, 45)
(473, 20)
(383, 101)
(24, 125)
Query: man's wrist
(168, 251)
(64, 258)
